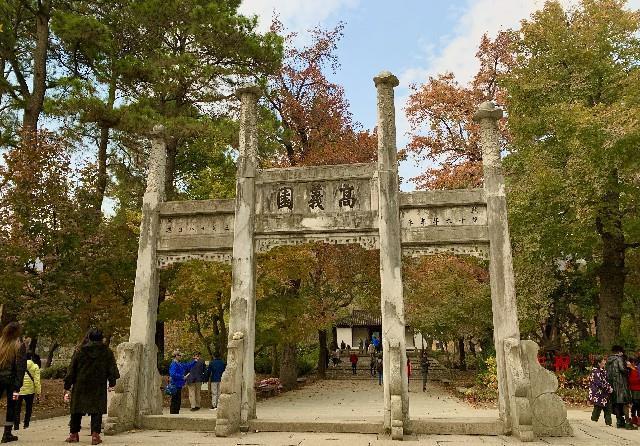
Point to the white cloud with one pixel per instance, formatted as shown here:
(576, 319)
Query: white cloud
(460, 46)
(296, 15)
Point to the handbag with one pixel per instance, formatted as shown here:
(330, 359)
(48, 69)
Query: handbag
(170, 389)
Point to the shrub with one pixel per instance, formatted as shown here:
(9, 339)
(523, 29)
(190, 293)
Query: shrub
(56, 371)
(163, 366)
(262, 363)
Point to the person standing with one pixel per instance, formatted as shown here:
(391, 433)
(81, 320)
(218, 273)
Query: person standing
(617, 374)
(30, 390)
(376, 344)
(600, 391)
(360, 346)
(12, 367)
(177, 372)
(214, 376)
(379, 369)
(194, 381)
(92, 368)
(353, 359)
(372, 365)
(371, 349)
(634, 386)
(409, 370)
(424, 369)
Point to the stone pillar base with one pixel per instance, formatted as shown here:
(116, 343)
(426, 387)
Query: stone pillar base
(229, 404)
(122, 407)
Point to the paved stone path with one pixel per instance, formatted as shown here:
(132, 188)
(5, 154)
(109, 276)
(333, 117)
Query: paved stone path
(335, 400)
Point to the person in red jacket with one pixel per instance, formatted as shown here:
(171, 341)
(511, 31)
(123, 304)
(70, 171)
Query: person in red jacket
(353, 358)
(634, 386)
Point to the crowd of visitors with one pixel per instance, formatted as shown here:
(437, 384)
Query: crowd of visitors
(193, 374)
(614, 388)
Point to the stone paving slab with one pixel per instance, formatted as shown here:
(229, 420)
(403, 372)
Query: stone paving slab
(53, 431)
(333, 402)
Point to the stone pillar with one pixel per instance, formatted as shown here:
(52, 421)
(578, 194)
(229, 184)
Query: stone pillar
(243, 291)
(396, 392)
(144, 392)
(503, 294)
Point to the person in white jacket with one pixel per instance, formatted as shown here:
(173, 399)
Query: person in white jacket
(29, 391)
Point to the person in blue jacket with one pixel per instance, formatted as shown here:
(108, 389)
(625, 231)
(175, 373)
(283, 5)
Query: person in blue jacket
(213, 375)
(177, 371)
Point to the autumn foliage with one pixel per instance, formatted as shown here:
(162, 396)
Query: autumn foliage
(440, 113)
(316, 125)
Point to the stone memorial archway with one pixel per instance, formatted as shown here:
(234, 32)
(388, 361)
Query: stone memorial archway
(355, 203)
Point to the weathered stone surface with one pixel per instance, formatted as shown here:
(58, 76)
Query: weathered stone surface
(503, 296)
(145, 295)
(549, 413)
(230, 402)
(122, 403)
(396, 400)
(242, 311)
(518, 391)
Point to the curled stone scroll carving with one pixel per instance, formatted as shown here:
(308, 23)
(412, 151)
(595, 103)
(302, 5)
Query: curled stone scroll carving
(367, 241)
(480, 251)
(166, 260)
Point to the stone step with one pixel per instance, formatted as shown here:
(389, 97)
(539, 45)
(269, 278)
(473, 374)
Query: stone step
(338, 427)
(201, 421)
(457, 426)
(429, 426)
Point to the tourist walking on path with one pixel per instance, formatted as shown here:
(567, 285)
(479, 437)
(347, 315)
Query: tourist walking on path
(372, 365)
(92, 368)
(379, 369)
(617, 374)
(194, 380)
(376, 344)
(353, 359)
(29, 391)
(177, 372)
(424, 369)
(634, 386)
(213, 376)
(371, 349)
(12, 367)
(600, 391)
(335, 357)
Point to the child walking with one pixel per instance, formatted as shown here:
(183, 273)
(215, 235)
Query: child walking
(600, 391)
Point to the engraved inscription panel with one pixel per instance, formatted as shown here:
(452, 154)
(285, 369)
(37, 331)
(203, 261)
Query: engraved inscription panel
(465, 215)
(215, 224)
(314, 198)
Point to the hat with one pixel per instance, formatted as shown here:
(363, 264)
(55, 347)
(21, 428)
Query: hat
(176, 353)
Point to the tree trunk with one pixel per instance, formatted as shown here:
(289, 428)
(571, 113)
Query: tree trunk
(323, 353)
(34, 102)
(612, 273)
(33, 344)
(52, 349)
(461, 352)
(162, 293)
(274, 361)
(289, 366)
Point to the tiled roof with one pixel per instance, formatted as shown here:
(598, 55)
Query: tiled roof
(361, 318)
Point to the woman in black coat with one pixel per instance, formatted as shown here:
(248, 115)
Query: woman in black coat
(12, 367)
(92, 367)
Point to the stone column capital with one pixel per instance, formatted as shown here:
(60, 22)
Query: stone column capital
(250, 89)
(487, 110)
(385, 78)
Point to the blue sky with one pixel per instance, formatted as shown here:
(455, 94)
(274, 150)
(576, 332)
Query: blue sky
(411, 38)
